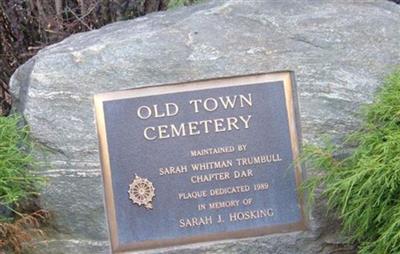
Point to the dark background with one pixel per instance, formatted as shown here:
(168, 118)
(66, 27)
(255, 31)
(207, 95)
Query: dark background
(26, 26)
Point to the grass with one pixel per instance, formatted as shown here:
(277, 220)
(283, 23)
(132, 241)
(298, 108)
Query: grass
(17, 235)
(17, 180)
(363, 189)
(18, 184)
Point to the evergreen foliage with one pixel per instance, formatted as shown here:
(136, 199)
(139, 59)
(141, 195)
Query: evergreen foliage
(17, 181)
(364, 188)
(18, 184)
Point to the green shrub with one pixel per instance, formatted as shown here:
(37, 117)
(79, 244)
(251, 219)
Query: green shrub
(364, 187)
(18, 184)
(17, 180)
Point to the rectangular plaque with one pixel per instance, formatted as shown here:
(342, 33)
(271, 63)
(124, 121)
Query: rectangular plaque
(200, 161)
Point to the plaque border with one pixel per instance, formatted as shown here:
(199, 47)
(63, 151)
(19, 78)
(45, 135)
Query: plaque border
(289, 84)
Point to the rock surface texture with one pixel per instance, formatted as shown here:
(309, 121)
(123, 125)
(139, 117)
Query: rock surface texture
(339, 50)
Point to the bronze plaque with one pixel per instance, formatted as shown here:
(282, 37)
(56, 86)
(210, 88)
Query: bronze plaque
(200, 161)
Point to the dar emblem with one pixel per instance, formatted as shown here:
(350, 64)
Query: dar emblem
(141, 192)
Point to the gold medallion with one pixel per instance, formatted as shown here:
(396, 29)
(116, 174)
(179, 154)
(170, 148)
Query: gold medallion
(141, 192)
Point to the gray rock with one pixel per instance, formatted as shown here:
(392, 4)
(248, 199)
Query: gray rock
(339, 50)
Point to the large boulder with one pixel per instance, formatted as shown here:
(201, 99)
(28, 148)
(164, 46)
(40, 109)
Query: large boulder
(340, 52)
